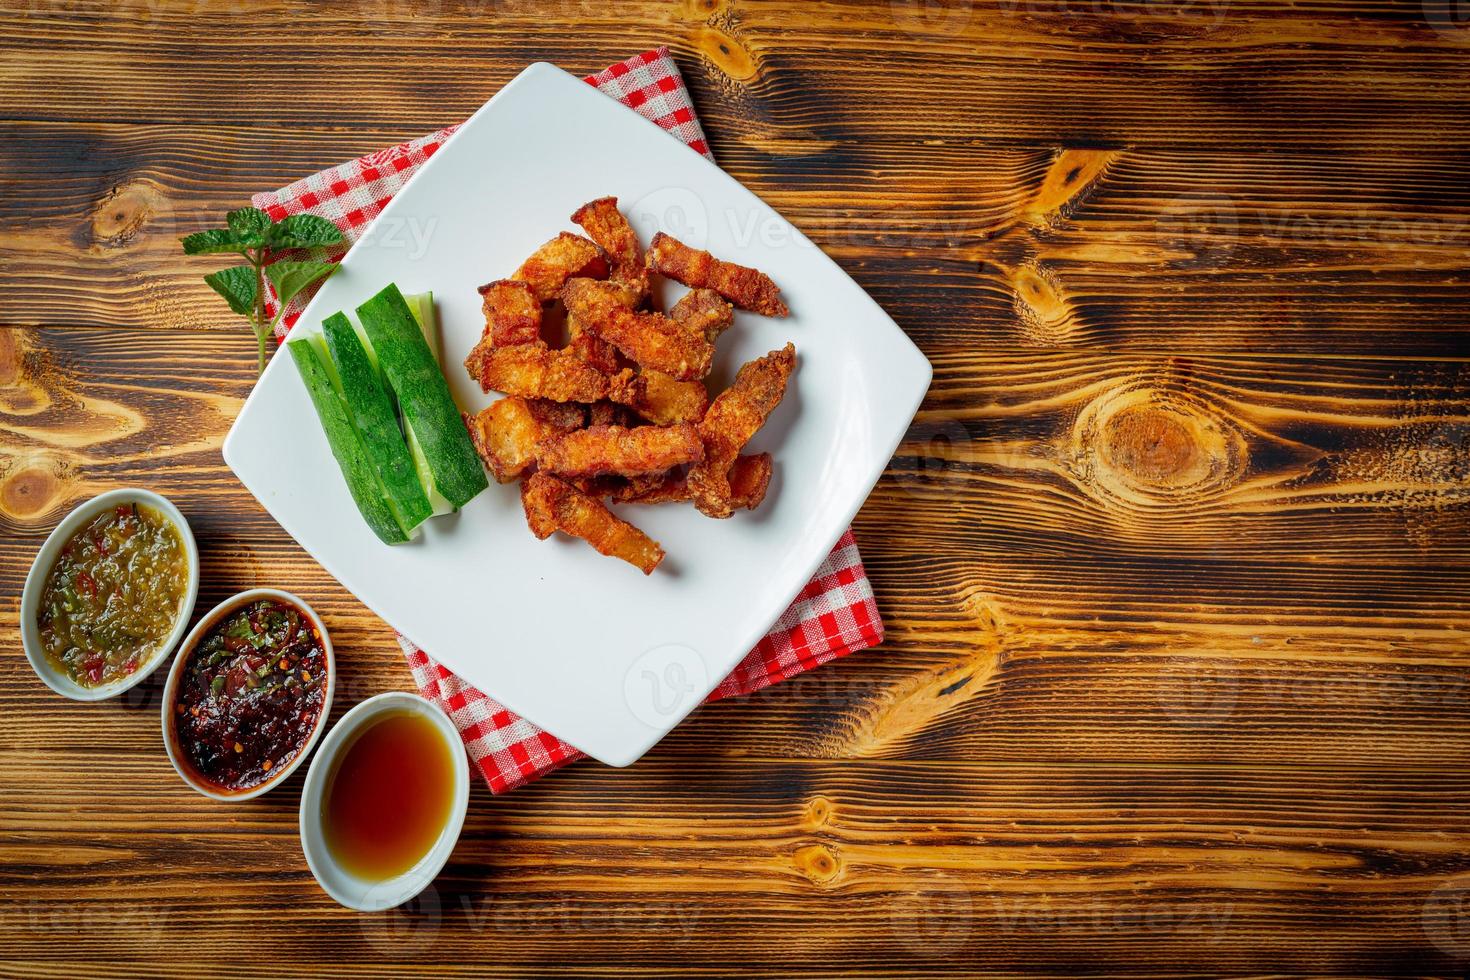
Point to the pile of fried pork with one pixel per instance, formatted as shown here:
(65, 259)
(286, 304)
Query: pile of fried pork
(620, 412)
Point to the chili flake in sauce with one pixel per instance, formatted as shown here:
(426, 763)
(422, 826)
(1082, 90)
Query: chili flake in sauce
(113, 595)
(250, 694)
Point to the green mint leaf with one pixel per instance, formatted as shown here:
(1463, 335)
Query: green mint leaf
(304, 231)
(237, 285)
(215, 240)
(290, 278)
(249, 225)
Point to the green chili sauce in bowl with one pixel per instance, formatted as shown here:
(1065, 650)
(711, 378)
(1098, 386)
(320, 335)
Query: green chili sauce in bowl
(110, 594)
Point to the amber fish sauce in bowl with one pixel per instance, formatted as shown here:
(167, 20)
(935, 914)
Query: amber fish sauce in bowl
(384, 801)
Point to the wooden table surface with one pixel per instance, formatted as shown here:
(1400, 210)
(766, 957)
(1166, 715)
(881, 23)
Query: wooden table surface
(1173, 562)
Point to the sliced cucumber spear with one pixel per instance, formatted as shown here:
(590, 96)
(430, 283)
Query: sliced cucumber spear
(370, 406)
(347, 445)
(430, 417)
(422, 306)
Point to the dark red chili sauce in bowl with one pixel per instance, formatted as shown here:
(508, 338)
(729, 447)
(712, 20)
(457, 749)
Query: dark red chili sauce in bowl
(248, 693)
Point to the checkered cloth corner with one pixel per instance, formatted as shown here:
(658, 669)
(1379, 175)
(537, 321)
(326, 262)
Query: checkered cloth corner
(834, 615)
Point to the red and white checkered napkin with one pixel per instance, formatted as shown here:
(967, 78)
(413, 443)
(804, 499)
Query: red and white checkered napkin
(833, 616)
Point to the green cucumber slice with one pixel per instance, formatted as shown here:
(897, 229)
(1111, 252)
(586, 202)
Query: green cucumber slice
(429, 413)
(347, 447)
(422, 307)
(370, 407)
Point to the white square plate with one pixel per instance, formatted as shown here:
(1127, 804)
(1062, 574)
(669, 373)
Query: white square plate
(585, 646)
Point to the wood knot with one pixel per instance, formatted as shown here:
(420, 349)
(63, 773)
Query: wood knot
(818, 863)
(1068, 183)
(727, 54)
(1045, 314)
(818, 813)
(1158, 446)
(1148, 445)
(901, 712)
(30, 488)
(121, 215)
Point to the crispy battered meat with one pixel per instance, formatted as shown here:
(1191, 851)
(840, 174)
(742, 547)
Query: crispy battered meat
(663, 401)
(747, 288)
(553, 505)
(505, 434)
(704, 310)
(651, 339)
(732, 419)
(512, 313)
(590, 347)
(535, 371)
(618, 487)
(564, 257)
(605, 225)
(750, 476)
(611, 413)
(613, 450)
(560, 416)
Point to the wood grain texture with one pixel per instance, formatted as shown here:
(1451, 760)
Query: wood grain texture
(1173, 560)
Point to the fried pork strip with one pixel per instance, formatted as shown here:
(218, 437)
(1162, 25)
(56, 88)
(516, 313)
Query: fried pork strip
(565, 257)
(611, 413)
(605, 225)
(506, 434)
(664, 401)
(554, 505)
(651, 339)
(590, 347)
(733, 417)
(512, 312)
(536, 371)
(604, 450)
(705, 311)
(747, 288)
(750, 476)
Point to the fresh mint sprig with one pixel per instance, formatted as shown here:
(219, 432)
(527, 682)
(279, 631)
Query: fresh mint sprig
(251, 233)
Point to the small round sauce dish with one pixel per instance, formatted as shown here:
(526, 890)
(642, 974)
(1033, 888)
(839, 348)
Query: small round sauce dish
(109, 594)
(248, 694)
(384, 801)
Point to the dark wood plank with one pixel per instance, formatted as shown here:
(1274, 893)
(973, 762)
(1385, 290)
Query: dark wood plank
(1173, 561)
(974, 244)
(960, 869)
(1183, 73)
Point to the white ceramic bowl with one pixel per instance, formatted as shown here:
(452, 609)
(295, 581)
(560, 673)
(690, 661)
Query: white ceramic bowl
(30, 599)
(336, 881)
(171, 687)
